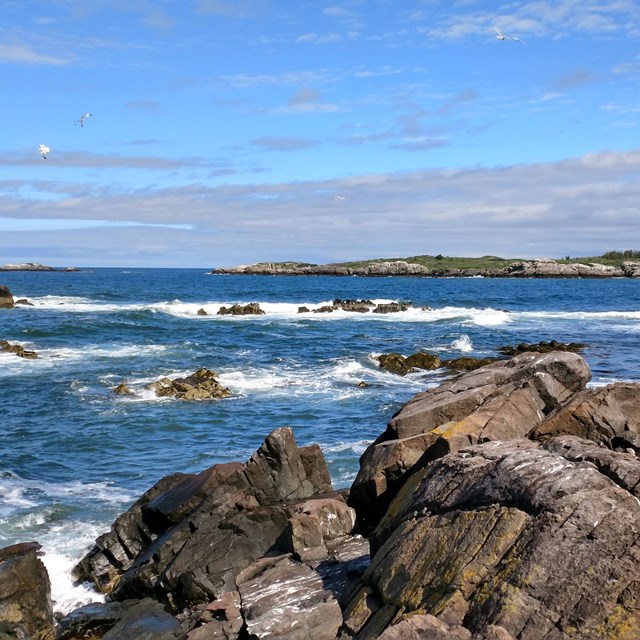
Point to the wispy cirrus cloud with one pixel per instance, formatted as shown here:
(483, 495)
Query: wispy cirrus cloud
(94, 160)
(144, 105)
(545, 19)
(307, 100)
(283, 143)
(319, 38)
(23, 54)
(231, 8)
(159, 20)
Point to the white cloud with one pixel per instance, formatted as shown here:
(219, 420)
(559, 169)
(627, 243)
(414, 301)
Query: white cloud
(22, 54)
(283, 143)
(316, 38)
(579, 206)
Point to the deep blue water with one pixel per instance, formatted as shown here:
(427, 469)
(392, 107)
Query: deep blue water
(74, 454)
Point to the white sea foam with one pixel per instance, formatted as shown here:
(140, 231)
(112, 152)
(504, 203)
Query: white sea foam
(30, 509)
(53, 356)
(488, 317)
(76, 304)
(357, 447)
(463, 343)
(63, 546)
(13, 496)
(179, 308)
(581, 315)
(18, 493)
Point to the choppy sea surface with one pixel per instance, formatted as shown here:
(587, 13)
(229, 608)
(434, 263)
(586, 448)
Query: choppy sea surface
(73, 454)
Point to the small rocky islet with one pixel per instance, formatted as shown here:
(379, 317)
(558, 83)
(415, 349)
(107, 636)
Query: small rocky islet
(501, 505)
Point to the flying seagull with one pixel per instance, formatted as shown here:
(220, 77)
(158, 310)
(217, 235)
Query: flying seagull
(83, 117)
(506, 36)
(339, 198)
(44, 150)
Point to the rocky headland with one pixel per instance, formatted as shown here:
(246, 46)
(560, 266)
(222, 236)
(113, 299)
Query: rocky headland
(541, 268)
(501, 505)
(34, 266)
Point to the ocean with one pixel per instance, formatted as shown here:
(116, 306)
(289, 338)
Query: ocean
(74, 454)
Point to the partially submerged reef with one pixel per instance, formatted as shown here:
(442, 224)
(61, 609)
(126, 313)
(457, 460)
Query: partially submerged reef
(501, 505)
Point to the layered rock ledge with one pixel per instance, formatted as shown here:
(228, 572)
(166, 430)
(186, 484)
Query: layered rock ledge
(502, 505)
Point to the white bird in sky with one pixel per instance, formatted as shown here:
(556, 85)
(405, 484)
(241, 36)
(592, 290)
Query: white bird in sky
(339, 198)
(44, 150)
(505, 36)
(83, 117)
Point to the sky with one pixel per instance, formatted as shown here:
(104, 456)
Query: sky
(228, 132)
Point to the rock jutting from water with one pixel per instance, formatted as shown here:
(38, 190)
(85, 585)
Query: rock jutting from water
(501, 505)
(6, 298)
(200, 385)
(401, 365)
(19, 350)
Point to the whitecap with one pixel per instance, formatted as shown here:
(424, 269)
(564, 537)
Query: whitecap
(463, 343)
(13, 497)
(77, 304)
(358, 447)
(63, 547)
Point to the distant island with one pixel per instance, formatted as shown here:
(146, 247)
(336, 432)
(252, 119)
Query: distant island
(33, 266)
(613, 264)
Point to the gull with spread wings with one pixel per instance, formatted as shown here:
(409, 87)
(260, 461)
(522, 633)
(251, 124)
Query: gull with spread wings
(82, 118)
(505, 36)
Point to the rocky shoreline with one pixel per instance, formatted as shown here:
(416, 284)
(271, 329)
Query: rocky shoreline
(503, 504)
(34, 266)
(541, 268)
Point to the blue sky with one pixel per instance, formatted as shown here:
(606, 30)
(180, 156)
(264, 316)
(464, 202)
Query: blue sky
(222, 131)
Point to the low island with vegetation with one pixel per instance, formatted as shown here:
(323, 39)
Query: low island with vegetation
(612, 264)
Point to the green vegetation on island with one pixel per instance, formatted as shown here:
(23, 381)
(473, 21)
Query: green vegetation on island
(610, 258)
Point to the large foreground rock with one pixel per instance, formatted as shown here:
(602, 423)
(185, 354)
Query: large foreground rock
(25, 594)
(499, 401)
(185, 541)
(530, 538)
(489, 519)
